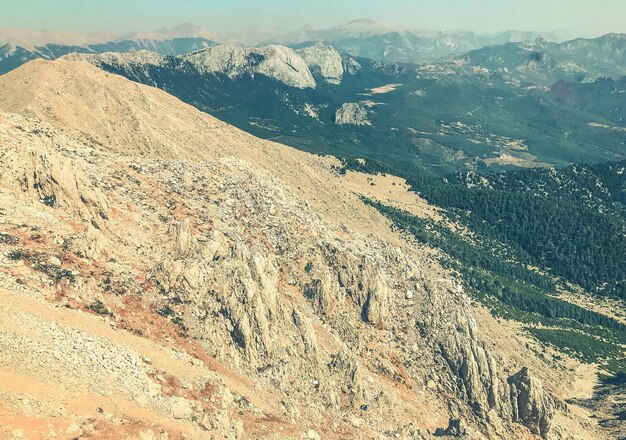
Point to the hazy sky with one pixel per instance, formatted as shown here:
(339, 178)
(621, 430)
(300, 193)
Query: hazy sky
(582, 16)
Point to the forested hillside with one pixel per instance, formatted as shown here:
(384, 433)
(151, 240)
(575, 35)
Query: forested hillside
(532, 235)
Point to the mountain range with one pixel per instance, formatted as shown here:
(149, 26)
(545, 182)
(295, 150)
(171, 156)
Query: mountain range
(542, 62)
(365, 38)
(492, 109)
(18, 47)
(380, 41)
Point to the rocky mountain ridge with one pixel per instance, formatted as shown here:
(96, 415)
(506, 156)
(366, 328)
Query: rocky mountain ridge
(239, 257)
(16, 51)
(29, 39)
(544, 62)
(277, 62)
(352, 113)
(300, 69)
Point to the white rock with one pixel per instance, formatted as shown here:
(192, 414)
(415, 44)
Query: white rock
(310, 434)
(324, 60)
(352, 113)
(73, 430)
(181, 409)
(277, 62)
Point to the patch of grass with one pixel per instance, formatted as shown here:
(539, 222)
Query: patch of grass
(50, 201)
(18, 255)
(178, 320)
(8, 239)
(166, 311)
(98, 307)
(35, 261)
(585, 347)
(55, 273)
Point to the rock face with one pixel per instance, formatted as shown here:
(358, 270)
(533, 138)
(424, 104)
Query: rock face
(324, 61)
(240, 262)
(352, 113)
(520, 398)
(278, 62)
(350, 65)
(531, 406)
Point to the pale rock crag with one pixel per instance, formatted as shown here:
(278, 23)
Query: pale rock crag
(277, 62)
(352, 113)
(325, 61)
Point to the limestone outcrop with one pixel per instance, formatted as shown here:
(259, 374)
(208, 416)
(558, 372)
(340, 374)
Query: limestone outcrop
(352, 113)
(324, 61)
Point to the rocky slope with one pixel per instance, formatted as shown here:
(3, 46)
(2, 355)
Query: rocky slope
(166, 275)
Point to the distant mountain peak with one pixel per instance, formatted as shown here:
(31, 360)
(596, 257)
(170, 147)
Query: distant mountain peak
(367, 26)
(31, 39)
(363, 22)
(614, 36)
(366, 22)
(183, 30)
